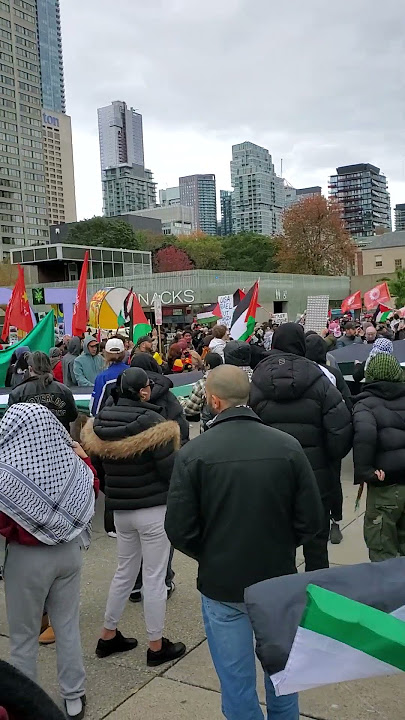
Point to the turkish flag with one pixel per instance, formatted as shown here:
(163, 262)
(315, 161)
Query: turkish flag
(79, 321)
(377, 295)
(18, 312)
(353, 302)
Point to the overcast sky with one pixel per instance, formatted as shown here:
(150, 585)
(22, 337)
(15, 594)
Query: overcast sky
(318, 83)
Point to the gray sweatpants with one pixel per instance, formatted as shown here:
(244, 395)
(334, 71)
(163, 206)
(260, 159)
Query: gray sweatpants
(46, 575)
(140, 535)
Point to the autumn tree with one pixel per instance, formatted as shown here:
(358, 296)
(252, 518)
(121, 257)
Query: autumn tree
(171, 259)
(315, 240)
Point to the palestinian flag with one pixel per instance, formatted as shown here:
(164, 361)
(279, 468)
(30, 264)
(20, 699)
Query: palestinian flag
(244, 316)
(141, 325)
(330, 626)
(382, 313)
(210, 314)
(125, 312)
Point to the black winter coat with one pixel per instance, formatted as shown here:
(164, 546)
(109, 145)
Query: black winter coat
(136, 449)
(50, 393)
(242, 498)
(291, 393)
(379, 433)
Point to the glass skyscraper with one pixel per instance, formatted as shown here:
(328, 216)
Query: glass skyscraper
(362, 192)
(50, 55)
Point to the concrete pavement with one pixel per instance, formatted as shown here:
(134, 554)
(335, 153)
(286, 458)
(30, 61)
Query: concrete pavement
(123, 688)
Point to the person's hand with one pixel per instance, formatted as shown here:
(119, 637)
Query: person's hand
(79, 451)
(380, 475)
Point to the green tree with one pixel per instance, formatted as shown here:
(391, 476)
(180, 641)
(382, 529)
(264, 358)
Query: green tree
(397, 288)
(104, 232)
(250, 252)
(206, 251)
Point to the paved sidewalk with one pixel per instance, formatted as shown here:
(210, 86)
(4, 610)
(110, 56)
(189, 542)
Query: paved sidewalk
(123, 688)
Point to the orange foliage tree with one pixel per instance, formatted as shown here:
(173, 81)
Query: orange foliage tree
(315, 240)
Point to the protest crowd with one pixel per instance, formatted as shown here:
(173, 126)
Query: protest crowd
(262, 478)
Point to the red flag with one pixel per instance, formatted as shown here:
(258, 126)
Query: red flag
(18, 312)
(353, 302)
(377, 295)
(79, 321)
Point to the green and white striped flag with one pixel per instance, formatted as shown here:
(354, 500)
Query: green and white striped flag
(330, 626)
(339, 640)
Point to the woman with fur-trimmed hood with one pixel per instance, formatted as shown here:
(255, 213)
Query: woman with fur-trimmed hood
(136, 450)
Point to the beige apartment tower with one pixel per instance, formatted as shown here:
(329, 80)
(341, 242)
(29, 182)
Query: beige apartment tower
(59, 171)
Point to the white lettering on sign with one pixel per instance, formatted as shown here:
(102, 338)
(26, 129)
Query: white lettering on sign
(168, 297)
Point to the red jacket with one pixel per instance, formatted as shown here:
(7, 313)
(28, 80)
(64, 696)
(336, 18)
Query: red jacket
(58, 372)
(15, 533)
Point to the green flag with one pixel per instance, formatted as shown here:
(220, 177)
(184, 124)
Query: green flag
(42, 337)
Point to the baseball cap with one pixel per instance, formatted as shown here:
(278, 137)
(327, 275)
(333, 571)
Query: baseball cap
(114, 345)
(144, 338)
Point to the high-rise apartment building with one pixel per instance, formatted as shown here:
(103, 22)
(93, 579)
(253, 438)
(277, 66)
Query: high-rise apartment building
(294, 195)
(225, 197)
(362, 192)
(127, 188)
(59, 172)
(400, 216)
(258, 196)
(50, 54)
(23, 203)
(169, 197)
(199, 192)
(121, 136)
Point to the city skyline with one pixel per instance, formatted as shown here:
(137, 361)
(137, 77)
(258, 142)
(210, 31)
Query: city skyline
(192, 118)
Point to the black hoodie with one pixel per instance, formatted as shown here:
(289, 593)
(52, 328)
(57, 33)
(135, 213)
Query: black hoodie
(292, 394)
(317, 350)
(379, 433)
(161, 395)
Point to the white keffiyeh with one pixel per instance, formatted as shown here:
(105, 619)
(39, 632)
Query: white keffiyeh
(44, 486)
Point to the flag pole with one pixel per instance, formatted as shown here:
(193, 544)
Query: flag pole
(131, 320)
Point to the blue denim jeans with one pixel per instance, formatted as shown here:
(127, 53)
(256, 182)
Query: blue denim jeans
(230, 639)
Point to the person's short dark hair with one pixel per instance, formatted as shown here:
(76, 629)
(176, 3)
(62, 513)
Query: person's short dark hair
(349, 326)
(212, 360)
(144, 338)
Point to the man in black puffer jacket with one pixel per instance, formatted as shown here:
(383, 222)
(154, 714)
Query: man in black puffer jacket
(291, 393)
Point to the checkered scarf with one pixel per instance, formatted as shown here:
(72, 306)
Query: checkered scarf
(382, 346)
(44, 486)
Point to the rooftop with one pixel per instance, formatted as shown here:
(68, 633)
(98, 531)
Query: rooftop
(379, 242)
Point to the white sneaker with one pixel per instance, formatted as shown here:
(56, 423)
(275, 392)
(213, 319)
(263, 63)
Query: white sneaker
(112, 534)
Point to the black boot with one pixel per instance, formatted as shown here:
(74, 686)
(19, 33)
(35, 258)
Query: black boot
(170, 651)
(117, 644)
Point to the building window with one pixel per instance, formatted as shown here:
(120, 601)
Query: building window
(378, 261)
(398, 264)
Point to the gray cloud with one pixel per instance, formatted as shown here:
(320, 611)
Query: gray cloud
(318, 83)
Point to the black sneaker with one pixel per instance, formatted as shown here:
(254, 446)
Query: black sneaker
(336, 536)
(117, 644)
(170, 651)
(170, 589)
(135, 596)
(75, 709)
